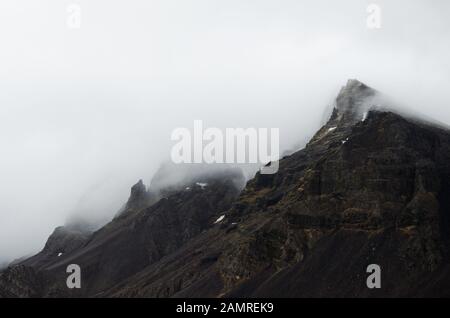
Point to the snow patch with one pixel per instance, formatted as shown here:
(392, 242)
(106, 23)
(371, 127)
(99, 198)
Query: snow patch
(331, 129)
(202, 185)
(344, 141)
(220, 219)
(59, 254)
(365, 116)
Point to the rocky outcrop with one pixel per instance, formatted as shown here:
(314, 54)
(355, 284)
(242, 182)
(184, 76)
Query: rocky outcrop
(138, 196)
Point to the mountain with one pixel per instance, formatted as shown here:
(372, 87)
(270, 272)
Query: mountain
(371, 187)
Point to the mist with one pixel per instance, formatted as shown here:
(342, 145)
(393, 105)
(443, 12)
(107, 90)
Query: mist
(85, 113)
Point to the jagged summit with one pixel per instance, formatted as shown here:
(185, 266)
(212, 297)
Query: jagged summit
(138, 195)
(138, 188)
(172, 178)
(353, 104)
(354, 99)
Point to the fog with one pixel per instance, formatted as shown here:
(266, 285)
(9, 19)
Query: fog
(85, 113)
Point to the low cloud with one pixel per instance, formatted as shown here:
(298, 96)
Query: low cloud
(85, 113)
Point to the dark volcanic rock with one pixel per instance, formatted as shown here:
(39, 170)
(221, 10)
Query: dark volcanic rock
(137, 238)
(371, 187)
(138, 196)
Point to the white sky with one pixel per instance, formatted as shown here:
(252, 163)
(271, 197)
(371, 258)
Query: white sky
(85, 113)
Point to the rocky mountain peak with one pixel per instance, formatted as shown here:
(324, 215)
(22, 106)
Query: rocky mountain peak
(138, 188)
(354, 99)
(138, 195)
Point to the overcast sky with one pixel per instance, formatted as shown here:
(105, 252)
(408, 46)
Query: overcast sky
(85, 113)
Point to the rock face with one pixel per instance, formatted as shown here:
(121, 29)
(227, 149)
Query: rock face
(371, 187)
(138, 197)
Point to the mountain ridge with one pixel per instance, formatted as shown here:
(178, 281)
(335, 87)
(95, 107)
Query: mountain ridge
(371, 186)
